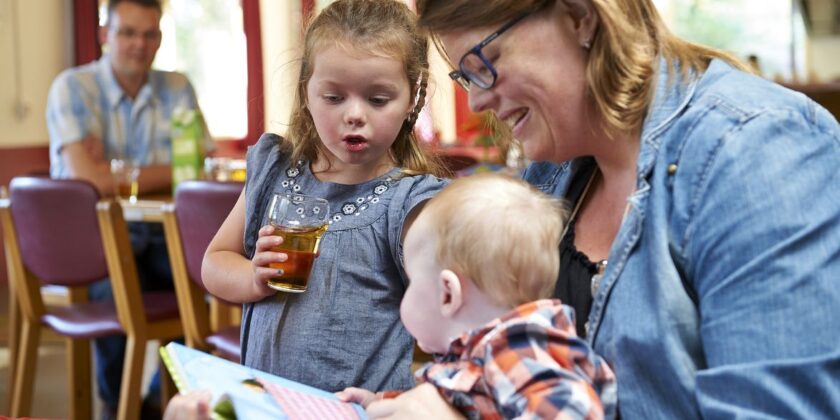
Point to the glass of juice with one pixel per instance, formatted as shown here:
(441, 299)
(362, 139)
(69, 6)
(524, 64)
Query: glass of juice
(301, 221)
(125, 174)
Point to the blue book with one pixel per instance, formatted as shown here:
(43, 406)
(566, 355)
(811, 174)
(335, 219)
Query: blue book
(245, 393)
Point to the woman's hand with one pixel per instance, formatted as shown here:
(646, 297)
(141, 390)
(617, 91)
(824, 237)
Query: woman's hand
(263, 256)
(359, 396)
(193, 405)
(422, 402)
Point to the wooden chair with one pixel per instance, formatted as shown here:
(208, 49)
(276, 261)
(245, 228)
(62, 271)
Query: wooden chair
(144, 316)
(14, 311)
(51, 295)
(52, 238)
(190, 223)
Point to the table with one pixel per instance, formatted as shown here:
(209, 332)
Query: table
(145, 209)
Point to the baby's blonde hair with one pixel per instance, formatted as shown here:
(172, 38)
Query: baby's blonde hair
(501, 233)
(385, 28)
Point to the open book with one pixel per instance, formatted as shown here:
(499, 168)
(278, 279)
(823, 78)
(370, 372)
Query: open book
(245, 393)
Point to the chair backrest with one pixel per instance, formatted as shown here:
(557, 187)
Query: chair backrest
(57, 230)
(200, 208)
(455, 162)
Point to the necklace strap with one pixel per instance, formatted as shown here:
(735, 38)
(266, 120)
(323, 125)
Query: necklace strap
(580, 199)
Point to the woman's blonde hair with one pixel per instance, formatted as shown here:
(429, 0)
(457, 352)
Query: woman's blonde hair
(499, 232)
(382, 27)
(624, 54)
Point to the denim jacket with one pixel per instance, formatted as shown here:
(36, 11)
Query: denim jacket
(722, 294)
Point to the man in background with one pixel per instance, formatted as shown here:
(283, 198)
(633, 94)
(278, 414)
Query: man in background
(119, 108)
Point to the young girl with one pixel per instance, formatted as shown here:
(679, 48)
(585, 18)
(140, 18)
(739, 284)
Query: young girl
(363, 80)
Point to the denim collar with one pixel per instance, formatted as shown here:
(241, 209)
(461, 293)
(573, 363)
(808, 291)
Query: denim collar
(672, 94)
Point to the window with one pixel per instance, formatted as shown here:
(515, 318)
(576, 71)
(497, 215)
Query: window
(771, 30)
(216, 43)
(206, 40)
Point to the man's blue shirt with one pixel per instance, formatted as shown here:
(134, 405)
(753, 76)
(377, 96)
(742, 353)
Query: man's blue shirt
(87, 100)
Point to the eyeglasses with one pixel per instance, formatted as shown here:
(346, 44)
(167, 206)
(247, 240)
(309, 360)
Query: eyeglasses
(474, 67)
(130, 33)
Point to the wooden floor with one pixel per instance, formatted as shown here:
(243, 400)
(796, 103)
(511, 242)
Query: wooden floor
(50, 391)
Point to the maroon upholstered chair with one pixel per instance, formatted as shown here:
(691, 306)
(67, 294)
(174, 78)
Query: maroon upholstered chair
(53, 237)
(190, 223)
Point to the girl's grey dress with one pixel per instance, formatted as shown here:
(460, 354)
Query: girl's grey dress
(345, 330)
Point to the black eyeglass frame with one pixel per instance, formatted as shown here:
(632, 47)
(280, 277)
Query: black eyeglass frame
(464, 77)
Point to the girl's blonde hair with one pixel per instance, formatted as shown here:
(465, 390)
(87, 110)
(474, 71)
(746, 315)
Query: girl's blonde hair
(501, 233)
(624, 55)
(383, 27)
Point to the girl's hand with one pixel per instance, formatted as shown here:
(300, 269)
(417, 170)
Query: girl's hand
(193, 405)
(360, 396)
(263, 257)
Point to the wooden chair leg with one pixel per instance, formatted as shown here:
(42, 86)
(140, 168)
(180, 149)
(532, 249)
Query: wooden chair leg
(79, 378)
(27, 359)
(14, 340)
(132, 376)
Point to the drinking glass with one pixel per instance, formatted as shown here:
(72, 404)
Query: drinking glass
(125, 174)
(301, 221)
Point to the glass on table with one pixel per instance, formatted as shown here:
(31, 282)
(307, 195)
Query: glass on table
(125, 174)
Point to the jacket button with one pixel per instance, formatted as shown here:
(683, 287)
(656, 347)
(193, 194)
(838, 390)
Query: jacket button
(672, 169)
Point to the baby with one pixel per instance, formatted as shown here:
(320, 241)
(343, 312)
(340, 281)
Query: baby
(481, 258)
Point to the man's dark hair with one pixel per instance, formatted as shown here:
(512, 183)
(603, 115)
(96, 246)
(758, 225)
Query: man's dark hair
(154, 4)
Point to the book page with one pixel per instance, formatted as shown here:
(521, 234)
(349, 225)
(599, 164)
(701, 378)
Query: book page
(298, 405)
(254, 394)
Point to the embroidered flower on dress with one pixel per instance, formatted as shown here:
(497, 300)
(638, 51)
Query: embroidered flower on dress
(299, 211)
(355, 207)
(316, 210)
(348, 208)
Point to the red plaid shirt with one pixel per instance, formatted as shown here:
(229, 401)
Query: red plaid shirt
(527, 364)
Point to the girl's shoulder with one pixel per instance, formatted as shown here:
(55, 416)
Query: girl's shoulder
(392, 195)
(268, 152)
(267, 145)
(416, 188)
(421, 181)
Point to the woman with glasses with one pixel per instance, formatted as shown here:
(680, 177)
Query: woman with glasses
(704, 253)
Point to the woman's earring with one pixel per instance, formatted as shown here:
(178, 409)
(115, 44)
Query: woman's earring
(586, 44)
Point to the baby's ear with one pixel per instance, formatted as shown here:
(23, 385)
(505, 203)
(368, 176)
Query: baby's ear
(451, 293)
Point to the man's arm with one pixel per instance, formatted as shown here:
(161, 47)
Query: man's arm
(80, 160)
(84, 160)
